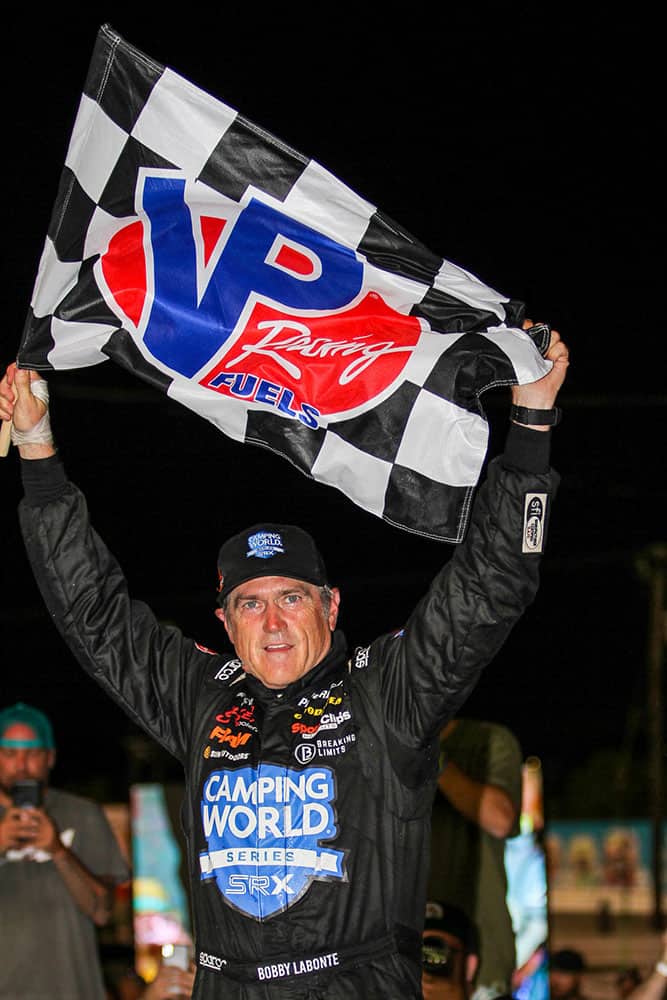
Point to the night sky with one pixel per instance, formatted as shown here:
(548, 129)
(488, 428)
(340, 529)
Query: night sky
(520, 145)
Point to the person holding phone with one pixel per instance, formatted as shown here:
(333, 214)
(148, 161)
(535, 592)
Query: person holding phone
(59, 862)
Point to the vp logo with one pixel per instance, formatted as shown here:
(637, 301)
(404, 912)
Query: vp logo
(252, 303)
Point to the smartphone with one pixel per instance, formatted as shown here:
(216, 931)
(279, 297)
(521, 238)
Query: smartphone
(176, 954)
(27, 793)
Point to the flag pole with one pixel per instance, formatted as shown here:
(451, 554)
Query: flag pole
(5, 434)
(5, 439)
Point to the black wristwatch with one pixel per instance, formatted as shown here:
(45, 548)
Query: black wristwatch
(524, 415)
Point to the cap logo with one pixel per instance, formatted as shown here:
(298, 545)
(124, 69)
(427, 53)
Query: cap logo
(264, 545)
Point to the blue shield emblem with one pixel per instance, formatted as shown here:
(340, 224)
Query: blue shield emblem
(263, 827)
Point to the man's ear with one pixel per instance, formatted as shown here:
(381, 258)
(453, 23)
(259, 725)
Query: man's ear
(472, 962)
(220, 615)
(226, 621)
(335, 607)
(51, 759)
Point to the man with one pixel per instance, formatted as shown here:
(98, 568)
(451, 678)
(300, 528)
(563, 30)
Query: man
(450, 953)
(627, 981)
(59, 862)
(476, 808)
(566, 969)
(309, 772)
(654, 985)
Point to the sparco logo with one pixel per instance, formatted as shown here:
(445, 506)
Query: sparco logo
(211, 961)
(226, 671)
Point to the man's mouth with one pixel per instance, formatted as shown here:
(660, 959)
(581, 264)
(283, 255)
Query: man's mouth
(277, 647)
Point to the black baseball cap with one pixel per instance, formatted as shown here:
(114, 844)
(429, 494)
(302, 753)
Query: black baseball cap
(567, 960)
(269, 550)
(452, 920)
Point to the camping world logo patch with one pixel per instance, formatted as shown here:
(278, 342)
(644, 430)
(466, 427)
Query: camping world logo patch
(263, 829)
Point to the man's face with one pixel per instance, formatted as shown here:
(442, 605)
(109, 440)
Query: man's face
(563, 984)
(19, 763)
(457, 984)
(279, 627)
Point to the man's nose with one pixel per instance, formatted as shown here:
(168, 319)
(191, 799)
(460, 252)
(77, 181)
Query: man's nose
(20, 764)
(273, 618)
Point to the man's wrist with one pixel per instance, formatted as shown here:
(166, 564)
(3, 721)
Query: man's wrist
(58, 851)
(530, 416)
(34, 451)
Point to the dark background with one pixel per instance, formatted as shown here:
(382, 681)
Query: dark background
(521, 145)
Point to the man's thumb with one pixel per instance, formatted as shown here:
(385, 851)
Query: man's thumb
(22, 383)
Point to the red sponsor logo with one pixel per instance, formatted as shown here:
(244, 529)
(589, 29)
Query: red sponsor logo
(236, 716)
(332, 362)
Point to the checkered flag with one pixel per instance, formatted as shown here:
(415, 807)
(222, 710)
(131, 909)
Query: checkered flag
(247, 282)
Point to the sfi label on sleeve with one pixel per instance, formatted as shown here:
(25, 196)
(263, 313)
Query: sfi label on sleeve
(534, 522)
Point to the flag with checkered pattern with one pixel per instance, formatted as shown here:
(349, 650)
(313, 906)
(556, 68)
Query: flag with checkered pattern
(202, 253)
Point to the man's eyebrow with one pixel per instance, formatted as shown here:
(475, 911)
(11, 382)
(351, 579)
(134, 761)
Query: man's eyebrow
(299, 587)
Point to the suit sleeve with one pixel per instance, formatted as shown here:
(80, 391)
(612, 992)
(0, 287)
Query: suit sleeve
(148, 668)
(475, 600)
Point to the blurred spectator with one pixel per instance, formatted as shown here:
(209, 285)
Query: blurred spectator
(59, 862)
(476, 808)
(627, 980)
(450, 953)
(654, 987)
(171, 983)
(566, 969)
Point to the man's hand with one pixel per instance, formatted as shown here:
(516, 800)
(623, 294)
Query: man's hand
(19, 405)
(171, 983)
(29, 827)
(43, 832)
(16, 829)
(488, 806)
(541, 395)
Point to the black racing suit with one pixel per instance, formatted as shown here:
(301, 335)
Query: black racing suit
(307, 810)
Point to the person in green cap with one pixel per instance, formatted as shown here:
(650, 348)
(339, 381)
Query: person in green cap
(59, 862)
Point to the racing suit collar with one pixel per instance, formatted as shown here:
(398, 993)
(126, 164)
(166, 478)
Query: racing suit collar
(334, 658)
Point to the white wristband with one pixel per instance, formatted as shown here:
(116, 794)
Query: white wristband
(661, 969)
(41, 432)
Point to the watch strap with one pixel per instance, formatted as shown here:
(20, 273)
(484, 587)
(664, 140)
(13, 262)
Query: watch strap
(525, 415)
